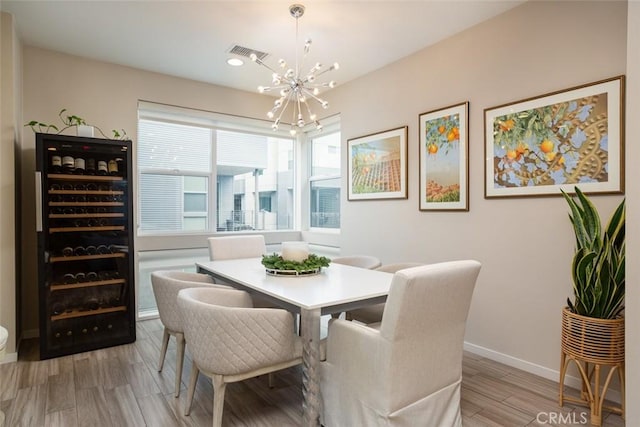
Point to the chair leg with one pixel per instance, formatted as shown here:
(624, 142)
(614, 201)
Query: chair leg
(270, 379)
(219, 387)
(179, 361)
(192, 388)
(163, 350)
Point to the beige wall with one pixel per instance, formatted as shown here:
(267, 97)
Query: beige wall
(9, 119)
(633, 212)
(106, 95)
(526, 244)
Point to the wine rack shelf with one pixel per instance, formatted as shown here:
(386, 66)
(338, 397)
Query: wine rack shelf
(87, 284)
(69, 177)
(78, 229)
(84, 313)
(85, 257)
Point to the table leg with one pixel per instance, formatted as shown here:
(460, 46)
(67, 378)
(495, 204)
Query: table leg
(310, 330)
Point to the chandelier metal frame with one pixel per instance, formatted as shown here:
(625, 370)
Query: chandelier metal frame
(295, 87)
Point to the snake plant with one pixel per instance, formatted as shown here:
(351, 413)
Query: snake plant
(598, 263)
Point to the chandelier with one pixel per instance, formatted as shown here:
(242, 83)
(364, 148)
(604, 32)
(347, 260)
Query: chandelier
(295, 86)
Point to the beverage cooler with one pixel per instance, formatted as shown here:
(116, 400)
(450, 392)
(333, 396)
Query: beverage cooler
(84, 225)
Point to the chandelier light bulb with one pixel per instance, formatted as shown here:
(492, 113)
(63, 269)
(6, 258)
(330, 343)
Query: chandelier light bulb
(297, 88)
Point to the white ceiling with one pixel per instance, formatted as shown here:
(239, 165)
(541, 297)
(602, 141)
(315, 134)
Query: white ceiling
(191, 39)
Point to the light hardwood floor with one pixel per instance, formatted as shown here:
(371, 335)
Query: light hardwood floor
(120, 386)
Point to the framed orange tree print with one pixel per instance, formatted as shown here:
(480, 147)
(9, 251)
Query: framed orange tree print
(539, 146)
(377, 165)
(444, 162)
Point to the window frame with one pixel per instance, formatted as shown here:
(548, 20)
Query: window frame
(331, 125)
(216, 121)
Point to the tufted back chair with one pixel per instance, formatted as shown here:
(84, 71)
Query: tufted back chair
(166, 285)
(231, 341)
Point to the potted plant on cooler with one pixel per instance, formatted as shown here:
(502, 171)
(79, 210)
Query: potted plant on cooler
(82, 127)
(593, 324)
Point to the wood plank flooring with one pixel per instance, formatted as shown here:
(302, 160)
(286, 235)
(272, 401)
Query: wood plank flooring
(120, 386)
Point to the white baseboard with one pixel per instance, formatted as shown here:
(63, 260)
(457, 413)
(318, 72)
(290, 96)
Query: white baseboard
(532, 368)
(9, 357)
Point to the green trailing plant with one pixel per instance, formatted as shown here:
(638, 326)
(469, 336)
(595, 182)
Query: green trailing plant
(598, 267)
(276, 262)
(70, 121)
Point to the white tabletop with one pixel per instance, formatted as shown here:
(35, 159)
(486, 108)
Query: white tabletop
(335, 285)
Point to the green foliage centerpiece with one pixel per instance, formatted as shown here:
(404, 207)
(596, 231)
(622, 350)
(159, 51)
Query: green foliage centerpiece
(277, 265)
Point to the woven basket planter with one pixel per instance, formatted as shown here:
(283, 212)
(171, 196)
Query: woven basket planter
(592, 343)
(592, 340)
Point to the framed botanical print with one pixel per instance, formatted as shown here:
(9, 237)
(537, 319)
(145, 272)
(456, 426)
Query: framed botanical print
(444, 160)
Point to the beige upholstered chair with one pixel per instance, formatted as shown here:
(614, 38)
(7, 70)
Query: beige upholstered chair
(409, 370)
(373, 313)
(362, 261)
(230, 341)
(231, 247)
(166, 285)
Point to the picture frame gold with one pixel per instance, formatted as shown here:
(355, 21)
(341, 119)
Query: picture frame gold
(541, 145)
(444, 159)
(377, 165)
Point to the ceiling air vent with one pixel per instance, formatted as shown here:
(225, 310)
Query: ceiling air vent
(246, 52)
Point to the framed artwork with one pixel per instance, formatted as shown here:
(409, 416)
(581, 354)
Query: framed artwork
(444, 161)
(377, 165)
(539, 146)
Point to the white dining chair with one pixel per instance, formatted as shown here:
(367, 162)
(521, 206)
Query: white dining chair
(231, 341)
(373, 313)
(362, 261)
(166, 285)
(407, 371)
(232, 247)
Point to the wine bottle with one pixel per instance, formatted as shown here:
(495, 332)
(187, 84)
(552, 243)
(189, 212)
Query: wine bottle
(56, 164)
(113, 167)
(68, 164)
(91, 167)
(102, 168)
(57, 308)
(79, 165)
(91, 303)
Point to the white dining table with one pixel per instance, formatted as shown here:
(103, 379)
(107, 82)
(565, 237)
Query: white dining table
(335, 289)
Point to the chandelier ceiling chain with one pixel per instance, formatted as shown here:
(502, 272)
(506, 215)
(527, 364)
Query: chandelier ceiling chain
(296, 87)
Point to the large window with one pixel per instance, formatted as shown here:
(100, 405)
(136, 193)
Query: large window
(325, 181)
(203, 177)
